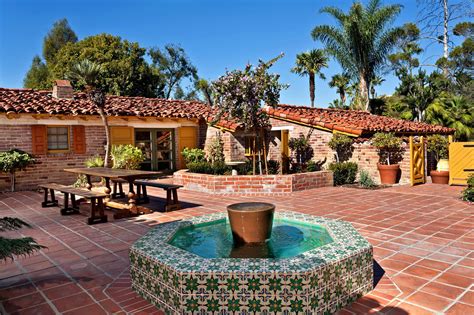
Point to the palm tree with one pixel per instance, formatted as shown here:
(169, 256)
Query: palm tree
(454, 112)
(361, 40)
(341, 83)
(376, 81)
(86, 73)
(310, 63)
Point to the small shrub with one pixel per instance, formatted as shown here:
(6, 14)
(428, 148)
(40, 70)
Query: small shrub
(438, 145)
(127, 157)
(344, 172)
(302, 151)
(389, 147)
(342, 146)
(245, 169)
(215, 150)
(314, 166)
(14, 160)
(468, 192)
(94, 161)
(273, 167)
(365, 180)
(193, 155)
(205, 167)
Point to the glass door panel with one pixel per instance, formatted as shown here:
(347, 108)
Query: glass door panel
(157, 146)
(143, 141)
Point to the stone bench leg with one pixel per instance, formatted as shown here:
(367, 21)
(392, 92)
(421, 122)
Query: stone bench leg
(97, 205)
(49, 203)
(118, 190)
(73, 209)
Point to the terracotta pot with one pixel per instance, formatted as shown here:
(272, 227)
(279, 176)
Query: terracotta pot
(251, 222)
(388, 173)
(440, 177)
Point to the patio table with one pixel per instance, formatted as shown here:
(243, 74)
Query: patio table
(109, 174)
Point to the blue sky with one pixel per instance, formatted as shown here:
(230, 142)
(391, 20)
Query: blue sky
(217, 35)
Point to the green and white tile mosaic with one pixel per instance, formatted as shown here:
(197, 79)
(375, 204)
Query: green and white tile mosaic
(318, 281)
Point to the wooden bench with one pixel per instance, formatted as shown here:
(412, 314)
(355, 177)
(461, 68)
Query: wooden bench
(172, 202)
(96, 198)
(117, 191)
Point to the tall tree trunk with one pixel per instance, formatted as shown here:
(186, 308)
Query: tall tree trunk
(364, 92)
(105, 122)
(342, 95)
(445, 35)
(311, 88)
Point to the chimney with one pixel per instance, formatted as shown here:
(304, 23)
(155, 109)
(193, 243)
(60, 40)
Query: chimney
(63, 89)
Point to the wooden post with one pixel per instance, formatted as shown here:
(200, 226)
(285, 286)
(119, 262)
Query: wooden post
(253, 156)
(264, 139)
(412, 175)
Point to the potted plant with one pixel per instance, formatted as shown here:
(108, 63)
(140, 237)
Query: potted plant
(14, 160)
(389, 148)
(438, 146)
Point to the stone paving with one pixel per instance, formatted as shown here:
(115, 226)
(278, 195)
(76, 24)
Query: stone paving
(423, 240)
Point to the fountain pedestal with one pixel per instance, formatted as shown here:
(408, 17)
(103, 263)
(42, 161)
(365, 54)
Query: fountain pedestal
(251, 222)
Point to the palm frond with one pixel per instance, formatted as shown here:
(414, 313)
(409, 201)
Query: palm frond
(11, 224)
(335, 12)
(18, 247)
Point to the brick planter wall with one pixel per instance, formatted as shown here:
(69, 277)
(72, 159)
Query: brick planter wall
(249, 184)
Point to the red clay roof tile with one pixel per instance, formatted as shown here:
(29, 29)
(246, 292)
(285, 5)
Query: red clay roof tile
(41, 102)
(351, 121)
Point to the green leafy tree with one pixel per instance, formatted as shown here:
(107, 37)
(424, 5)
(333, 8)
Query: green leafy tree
(240, 94)
(342, 84)
(438, 145)
(124, 70)
(342, 147)
(14, 160)
(38, 76)
(60, 35)
(127, 157)
(88, 74)
(205, 88)
(173, 66)
(404, 61)
(389, 147)
(17, 246)
(454, 112)
(376, 81)
(310, 63)
(361, 40)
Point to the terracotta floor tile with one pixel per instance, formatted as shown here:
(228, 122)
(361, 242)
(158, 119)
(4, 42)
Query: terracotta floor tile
(89, 309)
(25, 301)
(434, 264)
(460, 309)
(422, 272)
(429, 301)
(62, 291)
(468, 298)
(455, 280)
(42, 309)
(442, 290)
(409, 309)
(72, 302)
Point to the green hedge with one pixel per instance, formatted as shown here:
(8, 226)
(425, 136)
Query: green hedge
(344, 172)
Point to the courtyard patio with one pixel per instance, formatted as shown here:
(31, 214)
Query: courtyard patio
(422, 237)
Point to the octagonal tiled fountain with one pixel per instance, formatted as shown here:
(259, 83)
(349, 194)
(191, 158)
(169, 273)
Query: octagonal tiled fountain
(181, 272)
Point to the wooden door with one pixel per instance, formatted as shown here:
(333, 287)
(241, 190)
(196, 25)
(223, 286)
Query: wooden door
(187, 139)
(417, 162)
(285, 151)
(461, 162)
(122, 135)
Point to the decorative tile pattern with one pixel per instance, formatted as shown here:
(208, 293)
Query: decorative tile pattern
(322, 280)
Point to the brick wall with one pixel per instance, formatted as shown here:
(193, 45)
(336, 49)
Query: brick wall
(252, 185)
(234, 145)
(364, 154)
(49, 167)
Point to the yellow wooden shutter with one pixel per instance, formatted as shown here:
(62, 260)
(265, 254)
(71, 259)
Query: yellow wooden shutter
(187, 139)
(122, 135)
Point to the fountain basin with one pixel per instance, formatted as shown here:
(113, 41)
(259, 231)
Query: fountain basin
(251, 222)
(323, 279)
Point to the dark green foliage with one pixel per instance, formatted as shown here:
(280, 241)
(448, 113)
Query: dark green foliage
(344, 172)
(302, 152)
(314, 166)
(342, 146)
(273, 167)
(389, 147)
(124, 70)
(38, 76)
(14, 160)
(468, 193)
(193, 155)
(365, 180)
(21, 246)
(204, 167)
(173, 65)
(60, 35)
(438, 145)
